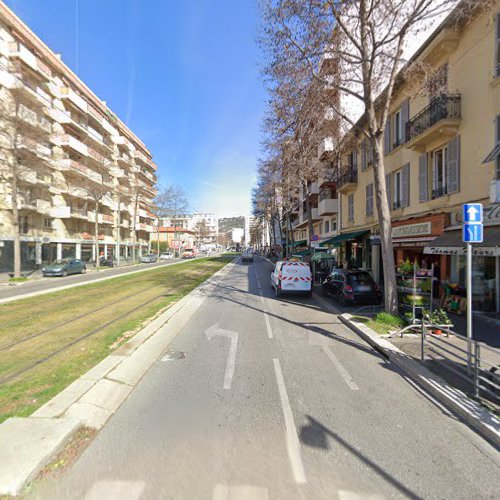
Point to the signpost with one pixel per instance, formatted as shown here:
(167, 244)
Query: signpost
(472, 233)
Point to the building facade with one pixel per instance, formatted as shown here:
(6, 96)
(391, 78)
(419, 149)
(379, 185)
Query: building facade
(441, 150)
(72, 158)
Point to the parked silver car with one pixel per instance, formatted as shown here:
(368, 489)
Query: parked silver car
(148, 258)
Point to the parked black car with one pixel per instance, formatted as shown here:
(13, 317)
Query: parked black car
(352, 287)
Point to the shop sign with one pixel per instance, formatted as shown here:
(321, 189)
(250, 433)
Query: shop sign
(480, 251)
(375, 239)
(412, 230)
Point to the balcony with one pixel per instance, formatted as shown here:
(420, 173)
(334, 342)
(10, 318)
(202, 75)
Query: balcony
(97, 139)
(79, 213)
(348, 178)
(34, 148)
(31, 92)
(66, 140)
(328, 206)
(70, 95)
(18, 51)
(77, 168)
(34, 119)
(326, 176)
(438, 121)
(495, 191)
(107, 219)
(325, 148)
(118, 139)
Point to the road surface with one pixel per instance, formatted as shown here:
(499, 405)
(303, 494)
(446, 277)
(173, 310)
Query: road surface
(265, 398)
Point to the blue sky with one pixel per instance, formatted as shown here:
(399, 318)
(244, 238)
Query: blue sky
(182, 74)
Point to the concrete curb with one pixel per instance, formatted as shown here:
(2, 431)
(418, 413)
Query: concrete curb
(484, 422)
(28, 444)
(91, 282)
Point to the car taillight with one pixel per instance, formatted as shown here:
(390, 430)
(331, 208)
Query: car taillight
(377, 288)
(348, 289)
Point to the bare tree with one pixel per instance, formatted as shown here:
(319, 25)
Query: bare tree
(202, 231)
(23, 131)
(97, 185)
(162, 207)
(365, 42)
(174, 203)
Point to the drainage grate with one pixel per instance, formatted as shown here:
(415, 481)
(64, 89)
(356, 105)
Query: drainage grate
(173, 356)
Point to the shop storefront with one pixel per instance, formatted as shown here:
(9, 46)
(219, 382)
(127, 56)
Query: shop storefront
(411, 237)
(485, 270)
(354, 249)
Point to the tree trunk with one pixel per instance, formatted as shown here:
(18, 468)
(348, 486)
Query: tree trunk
(309, 211)
(384, 218)
(96, 234)
(158, 235)
(15, 216)
(134, 232)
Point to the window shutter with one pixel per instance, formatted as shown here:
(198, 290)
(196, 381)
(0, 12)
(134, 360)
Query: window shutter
(387, 137)
(363, 155)
(423, 183)
(388, 187)
(405, 185)
(453, 167)
(405, 118)
(367, 196)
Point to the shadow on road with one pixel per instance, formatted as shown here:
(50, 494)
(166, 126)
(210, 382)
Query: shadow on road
(316, 435)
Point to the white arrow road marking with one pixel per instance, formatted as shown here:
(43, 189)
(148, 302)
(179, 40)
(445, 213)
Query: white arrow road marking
(318, 339)
(116, 490)
(215, 330)
(292, 439)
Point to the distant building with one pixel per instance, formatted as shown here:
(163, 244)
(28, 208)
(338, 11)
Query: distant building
(177, 237)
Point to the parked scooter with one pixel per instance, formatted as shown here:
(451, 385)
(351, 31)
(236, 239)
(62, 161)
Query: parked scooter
(106, 262)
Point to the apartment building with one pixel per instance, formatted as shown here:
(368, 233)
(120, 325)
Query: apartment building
(177, 237)
(209, 219)
(441, 150)
(316, 205)
(67, 159)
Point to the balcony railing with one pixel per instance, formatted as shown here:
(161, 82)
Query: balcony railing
(438, 192)
(441, 108)
(348, 176)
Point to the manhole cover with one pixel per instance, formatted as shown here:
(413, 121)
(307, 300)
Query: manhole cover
(173, 356)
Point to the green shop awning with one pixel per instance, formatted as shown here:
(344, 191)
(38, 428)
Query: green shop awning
(336, 240)
(319, 256)
(303, 253)
(301, 243)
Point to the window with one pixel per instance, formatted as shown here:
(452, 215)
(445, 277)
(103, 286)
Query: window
(47, 223)
(350, 207)
(327, 226)
(334, 226)
(397, 129)
(497, 46)
(369, 200)
(398, 190)
(24, 224)
(439, 173)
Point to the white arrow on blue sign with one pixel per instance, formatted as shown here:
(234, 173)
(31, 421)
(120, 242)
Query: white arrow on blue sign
(473, 233)
(473, 213)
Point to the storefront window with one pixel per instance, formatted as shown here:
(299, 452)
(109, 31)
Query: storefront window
(483, 280)
(68, 251)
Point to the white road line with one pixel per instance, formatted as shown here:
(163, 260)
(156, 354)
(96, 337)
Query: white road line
(292, 439)
(268, 326)
(239, 492)
(343, 372)
(231, 360)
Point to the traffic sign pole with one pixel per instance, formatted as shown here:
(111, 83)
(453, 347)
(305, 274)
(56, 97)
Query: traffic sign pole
(469, 304)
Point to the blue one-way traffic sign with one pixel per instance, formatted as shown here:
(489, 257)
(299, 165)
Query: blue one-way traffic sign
(473, 213)
(473, 233)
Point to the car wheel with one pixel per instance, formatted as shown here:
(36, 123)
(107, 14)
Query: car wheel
(64, 273)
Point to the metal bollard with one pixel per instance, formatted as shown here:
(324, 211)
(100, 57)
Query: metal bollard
(477, 368)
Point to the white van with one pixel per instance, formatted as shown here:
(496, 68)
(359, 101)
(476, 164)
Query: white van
(291, 277)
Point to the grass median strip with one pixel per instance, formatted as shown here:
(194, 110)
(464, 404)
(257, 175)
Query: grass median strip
(47, 342)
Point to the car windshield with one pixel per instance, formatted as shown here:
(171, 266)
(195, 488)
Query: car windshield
(360, 279)
(59, 262)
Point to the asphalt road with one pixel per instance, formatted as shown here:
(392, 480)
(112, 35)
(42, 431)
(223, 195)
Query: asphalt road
(52, 283)
(287, 404)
